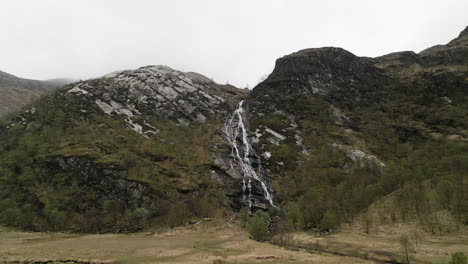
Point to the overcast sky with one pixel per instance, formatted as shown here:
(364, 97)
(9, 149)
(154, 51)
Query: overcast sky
(229, 41)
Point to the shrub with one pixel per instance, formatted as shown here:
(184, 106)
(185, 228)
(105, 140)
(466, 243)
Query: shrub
(258, 227)
(295, 215)
(458, 258)
(329, 221)
(243, 217)
(407, 248)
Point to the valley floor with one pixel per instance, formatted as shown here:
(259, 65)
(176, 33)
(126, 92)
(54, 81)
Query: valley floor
(213, 242)
(383, 249)
(207, 242)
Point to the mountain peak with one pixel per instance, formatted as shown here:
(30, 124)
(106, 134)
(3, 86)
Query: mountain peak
(155, 90)
(322, 50)
(156, 69)
(323, 70)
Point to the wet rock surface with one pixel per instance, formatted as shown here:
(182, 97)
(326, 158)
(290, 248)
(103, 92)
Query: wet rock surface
(239, 166)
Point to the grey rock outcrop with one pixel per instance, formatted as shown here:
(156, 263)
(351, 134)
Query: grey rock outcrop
(156, 91)
(110, 183)
(323, 71)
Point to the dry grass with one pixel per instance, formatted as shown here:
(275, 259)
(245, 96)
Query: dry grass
(208, 242)
(385, 245)
(14, 98)
(219, 242)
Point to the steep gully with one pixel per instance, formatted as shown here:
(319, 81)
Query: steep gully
(244, 156)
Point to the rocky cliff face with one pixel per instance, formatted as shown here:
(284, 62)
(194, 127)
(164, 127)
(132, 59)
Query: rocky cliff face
(323, 71)
(112, 183)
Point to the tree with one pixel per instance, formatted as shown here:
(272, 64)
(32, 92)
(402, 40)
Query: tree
(202, 206)
(458, 258)
(313, 206)
(112, 210)
(417, 237)
(329, 221)
(368, 222)
(141, 216)
(295, 215)
(445, 189)
(258, 227)
(282, 230)
(55, 218)
(178, 215)
(243, 217)
(406, 248)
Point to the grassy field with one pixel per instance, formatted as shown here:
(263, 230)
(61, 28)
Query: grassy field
(383, 243)
(218, 242)
(207, 242)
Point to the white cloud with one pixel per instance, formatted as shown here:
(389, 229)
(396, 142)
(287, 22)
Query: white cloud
(235, 41)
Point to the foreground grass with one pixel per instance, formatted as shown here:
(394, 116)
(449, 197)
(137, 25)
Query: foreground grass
(384, 246)
(220, 242)
(207, 242)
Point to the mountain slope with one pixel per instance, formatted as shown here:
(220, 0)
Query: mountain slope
(453, 53)
(17, 92)
(327, 134)
(109, 154)
(13, 98)
(337, 132)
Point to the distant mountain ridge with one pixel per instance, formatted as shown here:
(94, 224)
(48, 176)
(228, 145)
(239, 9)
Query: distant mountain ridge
(453, 53)
(17, 92)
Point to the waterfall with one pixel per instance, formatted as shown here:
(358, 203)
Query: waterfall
(242, 154)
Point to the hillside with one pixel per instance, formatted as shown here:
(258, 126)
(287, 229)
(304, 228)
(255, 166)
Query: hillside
(326, 135)
(337, 132)
(115, 153)
(18, 92)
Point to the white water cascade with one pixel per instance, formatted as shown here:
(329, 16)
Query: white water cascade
(243, 154)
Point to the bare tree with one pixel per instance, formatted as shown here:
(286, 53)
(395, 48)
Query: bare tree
(406, 247)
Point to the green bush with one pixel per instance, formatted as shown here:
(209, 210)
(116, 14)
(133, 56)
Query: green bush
(258, 226)
(329, 221)
(458, 258)
(243, 217)
(294, 216)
